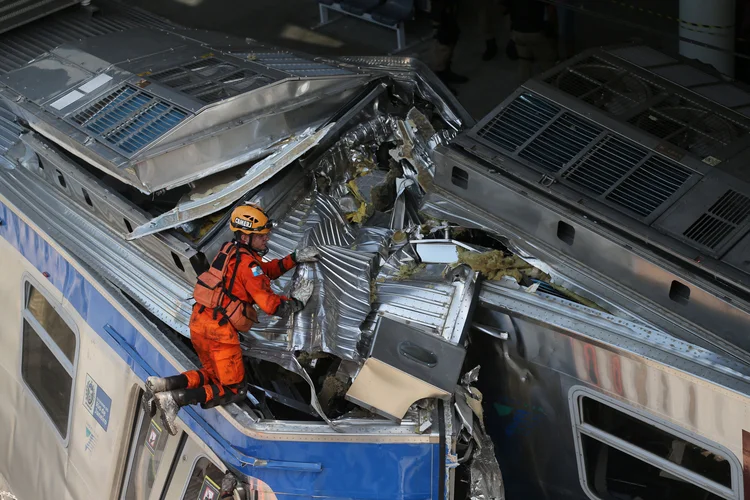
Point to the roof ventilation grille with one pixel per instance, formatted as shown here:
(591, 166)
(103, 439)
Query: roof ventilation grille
(129, 119)
(650, 185)
(518, 122)
(720, 220)
(560, 142)
(607, 162)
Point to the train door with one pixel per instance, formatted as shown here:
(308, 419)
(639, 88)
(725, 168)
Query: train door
(151, 457)
(196, 477)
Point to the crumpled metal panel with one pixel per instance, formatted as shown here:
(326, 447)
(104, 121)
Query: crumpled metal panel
(430, 297)
(334, 162)
(486, 478)
(414, 73)
(341, 300)
(223, 196)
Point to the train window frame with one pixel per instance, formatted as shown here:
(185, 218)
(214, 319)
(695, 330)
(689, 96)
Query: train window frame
(575, 397)
(71, 367)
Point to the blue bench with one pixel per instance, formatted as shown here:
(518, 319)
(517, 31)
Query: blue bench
(390, 14)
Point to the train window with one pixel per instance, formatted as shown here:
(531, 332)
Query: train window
(47, 357)
(146, 455)
(612, 473)
(52, 322)
(625, 455)
(205, 481)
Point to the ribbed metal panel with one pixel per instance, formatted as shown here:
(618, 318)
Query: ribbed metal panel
(652, 184)
(14, 13)
(720, 220)
(129, 119)
(626, 175)
(34, 39)
(295, 65)
(606, 164)
(518, 122)
(559, 143)
(584, 155)
(9, 130)
(210, 80)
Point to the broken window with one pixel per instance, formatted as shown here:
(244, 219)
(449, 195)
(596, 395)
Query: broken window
(626, 456)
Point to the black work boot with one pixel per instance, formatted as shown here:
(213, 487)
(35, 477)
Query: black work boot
(168, 407)
(228, 397)
(158, 384)
(170, 402)
(491, 51)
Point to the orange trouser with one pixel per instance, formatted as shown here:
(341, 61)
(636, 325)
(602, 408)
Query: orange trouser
(218, 348)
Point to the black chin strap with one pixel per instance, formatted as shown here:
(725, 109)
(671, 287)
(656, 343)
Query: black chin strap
(249, 246)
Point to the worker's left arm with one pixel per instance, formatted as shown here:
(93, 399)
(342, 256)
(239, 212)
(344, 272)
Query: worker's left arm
(278, 267)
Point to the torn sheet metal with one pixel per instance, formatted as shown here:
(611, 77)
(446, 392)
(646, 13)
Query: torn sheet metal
(414, 74)
(223, 196)
(347, 152)
(405, 214)
(427, 296)
(342, 296)
(288, 361)
(331, 319)
(486, 478)
(388, 391)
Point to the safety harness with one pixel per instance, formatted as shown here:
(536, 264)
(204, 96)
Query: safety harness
(210, 290)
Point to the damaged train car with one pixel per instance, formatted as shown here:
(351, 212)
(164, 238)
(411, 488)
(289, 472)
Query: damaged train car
(559, 292)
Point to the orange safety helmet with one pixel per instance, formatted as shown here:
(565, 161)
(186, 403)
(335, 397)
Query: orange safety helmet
(250, 219)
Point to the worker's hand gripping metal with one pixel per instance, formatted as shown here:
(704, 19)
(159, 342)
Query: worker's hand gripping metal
(307, 254)
(302, 290)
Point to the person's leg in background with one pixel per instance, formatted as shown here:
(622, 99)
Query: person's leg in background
(525, 54)
(489, 18)
(446, 33)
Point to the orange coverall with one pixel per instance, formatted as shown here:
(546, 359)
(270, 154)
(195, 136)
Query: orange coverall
(217, 342)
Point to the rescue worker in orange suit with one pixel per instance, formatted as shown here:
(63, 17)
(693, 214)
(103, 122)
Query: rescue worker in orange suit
(246, 279)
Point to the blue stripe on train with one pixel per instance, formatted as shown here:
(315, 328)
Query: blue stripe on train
(350, 470)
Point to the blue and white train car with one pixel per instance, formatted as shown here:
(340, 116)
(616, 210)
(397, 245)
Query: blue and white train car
(553, 244)
(97, 292)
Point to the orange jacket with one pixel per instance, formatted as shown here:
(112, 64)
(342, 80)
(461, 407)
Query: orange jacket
(253, 281)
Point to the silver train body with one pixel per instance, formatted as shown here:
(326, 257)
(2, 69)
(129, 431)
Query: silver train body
(633, 382)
